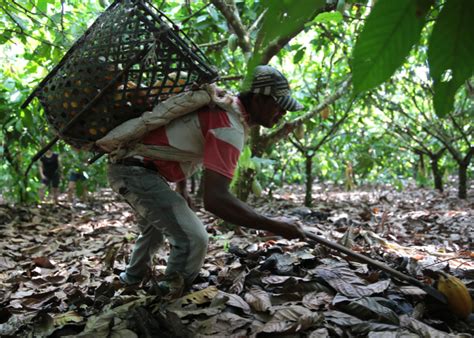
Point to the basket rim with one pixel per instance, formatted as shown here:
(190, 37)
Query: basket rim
(175, 30)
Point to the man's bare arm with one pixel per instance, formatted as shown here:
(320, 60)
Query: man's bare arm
(220, 201)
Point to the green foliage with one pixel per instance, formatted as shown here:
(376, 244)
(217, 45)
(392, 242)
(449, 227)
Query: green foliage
(35, 34)
(391, 30)
(389, 33)
(328, 17)
(450, 53)
(283, 18)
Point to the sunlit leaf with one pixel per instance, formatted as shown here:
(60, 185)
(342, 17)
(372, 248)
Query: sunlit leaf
(42, 5)
(326, 17)
(450, 52)
(388, 35)
(282, 19)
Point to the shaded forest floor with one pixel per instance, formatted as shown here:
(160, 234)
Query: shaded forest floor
(59, 266)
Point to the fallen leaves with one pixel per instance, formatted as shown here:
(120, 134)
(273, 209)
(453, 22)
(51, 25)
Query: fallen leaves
(58, 271)
(346, 282)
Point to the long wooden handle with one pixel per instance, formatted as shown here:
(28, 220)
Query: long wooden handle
(428, 289)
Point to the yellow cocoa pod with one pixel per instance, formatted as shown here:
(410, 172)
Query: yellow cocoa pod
(92, 131)
(299, 132)
(155, 91)
(325, 113)
(457, 294)
(120, 88)
(256, 188)
(181, 83)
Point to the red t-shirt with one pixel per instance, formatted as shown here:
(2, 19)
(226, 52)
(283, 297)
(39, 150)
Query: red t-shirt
(210, 137)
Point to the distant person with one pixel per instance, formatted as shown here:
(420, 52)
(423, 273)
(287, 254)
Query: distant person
(50, 175)
(77, 186)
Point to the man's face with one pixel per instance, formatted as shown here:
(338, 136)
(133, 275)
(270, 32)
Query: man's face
(267, 112)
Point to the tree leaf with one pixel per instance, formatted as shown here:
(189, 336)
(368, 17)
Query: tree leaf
(62, 319)
(282, 19)
(298, 56)
(326, 17)
(42, 5)
(373, 306)
(450, 51)
(341, 318)
(369, 327)
(345, 281)
(258, 299)
(315, 299)
(388, 35)
(443, 98)
(223, 324)
(237, 301)
(202, 296)
(291, 319)
(43, 262)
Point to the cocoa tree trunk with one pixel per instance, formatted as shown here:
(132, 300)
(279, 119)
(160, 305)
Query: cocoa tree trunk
(437, 174)
(435, 169)
(462, 172)
(308, 198)
(462, 175)
(421, 170)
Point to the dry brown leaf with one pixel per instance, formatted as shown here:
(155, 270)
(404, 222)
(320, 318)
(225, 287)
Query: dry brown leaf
(258, 299)
(291, 319)
(43, 262)
(200, 297)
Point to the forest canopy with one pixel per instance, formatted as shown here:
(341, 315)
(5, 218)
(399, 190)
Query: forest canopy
(387, 86)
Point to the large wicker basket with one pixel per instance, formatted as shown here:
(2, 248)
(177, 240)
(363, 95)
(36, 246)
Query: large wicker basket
(131, 57)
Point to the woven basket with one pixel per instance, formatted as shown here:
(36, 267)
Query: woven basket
(131, 58)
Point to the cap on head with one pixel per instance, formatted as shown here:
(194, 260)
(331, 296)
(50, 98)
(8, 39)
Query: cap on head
(269, 81)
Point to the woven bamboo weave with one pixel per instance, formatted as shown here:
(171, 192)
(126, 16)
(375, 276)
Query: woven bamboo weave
(131, 58)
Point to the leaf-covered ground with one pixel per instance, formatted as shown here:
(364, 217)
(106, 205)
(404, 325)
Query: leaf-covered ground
(59, 265)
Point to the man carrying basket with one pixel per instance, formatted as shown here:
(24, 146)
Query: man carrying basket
(213, 138)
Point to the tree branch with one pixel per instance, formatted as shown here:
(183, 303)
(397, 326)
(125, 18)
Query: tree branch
(214, 45)
(288, 127)
(273, 48)
(194, 14)
(230, 12)
(22, 32)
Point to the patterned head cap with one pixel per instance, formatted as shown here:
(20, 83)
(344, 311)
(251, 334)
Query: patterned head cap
(269, 81)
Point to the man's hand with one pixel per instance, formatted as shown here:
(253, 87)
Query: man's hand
(219, 201)
(287, 228)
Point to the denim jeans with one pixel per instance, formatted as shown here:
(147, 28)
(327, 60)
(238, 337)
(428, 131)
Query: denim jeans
(161, 212)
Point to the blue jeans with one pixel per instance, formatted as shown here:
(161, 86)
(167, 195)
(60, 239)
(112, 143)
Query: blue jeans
(161, 212)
